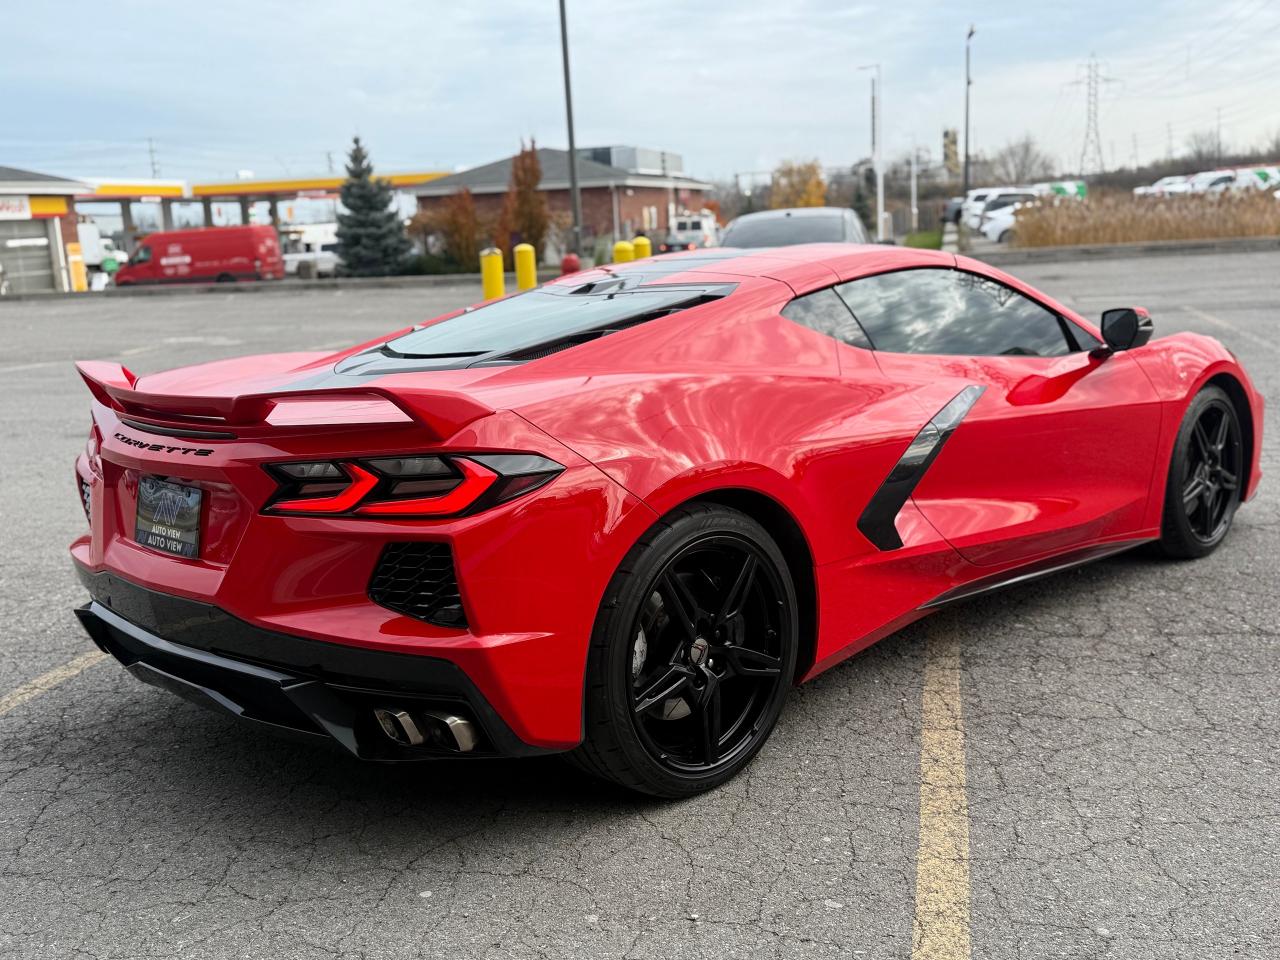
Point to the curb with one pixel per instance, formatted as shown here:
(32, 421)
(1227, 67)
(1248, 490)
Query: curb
(279, 286)
(1120, 251)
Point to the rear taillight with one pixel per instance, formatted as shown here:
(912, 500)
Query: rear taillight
(411, 486)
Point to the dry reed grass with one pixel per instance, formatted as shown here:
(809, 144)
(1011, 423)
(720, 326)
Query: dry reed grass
(1123, 218)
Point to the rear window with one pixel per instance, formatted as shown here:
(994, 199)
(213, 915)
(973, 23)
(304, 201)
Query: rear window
(783, 231)
(542, 322)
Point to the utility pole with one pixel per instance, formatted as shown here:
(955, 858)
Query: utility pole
(575, 238)
(915, 210)
(155, 166)
(877, 147)
(968, 82)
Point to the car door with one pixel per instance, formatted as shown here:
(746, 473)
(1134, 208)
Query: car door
(1053, 450)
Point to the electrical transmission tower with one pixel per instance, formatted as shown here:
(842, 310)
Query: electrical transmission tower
(155, 164)
(1091, 153)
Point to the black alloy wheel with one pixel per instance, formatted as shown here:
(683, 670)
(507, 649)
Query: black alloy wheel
(693, 654)
(706, 657)
(1206, 477)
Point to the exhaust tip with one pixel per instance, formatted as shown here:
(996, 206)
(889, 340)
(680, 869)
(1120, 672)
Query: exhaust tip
(400, 727)
(437, 728)
(452, 731)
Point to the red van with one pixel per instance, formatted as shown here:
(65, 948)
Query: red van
(205, 255)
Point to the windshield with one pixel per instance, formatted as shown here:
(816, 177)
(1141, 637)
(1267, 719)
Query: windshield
(783, 231)
(541, 317)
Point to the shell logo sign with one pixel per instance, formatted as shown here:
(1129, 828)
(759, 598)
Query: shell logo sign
(15, 208)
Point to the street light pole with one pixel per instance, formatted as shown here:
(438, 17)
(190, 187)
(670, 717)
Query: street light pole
(967, 84)
(877, 147)
(575, 238)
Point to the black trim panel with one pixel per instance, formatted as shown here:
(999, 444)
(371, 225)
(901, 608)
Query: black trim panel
(877, 522)
(1031, 571)
(313, 688)
(187, 432)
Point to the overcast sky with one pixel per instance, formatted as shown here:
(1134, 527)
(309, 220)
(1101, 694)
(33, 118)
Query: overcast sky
(733, 86)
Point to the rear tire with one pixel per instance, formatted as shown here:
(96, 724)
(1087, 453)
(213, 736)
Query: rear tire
(692, 655)
(1206, 477)
(225, 278)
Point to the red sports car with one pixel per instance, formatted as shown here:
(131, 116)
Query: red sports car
(620, 515)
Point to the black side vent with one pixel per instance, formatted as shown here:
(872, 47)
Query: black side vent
(86, 499)
(418, 580)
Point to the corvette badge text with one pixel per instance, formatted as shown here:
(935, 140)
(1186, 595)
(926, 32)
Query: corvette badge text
(158, 447)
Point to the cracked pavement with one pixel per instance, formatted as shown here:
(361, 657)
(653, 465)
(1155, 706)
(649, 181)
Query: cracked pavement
(1121, 736)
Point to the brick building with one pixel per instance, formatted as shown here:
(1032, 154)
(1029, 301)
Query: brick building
(618, 201)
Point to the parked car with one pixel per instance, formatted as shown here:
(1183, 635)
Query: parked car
(978, 200)
(1162, 187)
(204, 255)
(951, 213)
(1211, 181)
(998, 223)
(622, 514)
(782, 228)
(324, 261)
(691, 231)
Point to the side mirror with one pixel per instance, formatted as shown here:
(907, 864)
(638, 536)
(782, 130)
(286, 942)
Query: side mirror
(1125, 328)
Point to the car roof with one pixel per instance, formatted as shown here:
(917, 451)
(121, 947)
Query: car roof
(796, 212)
(803, 266)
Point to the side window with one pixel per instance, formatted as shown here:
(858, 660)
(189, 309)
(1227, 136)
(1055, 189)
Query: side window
(825, 312)
(949, 312)
(142, 254)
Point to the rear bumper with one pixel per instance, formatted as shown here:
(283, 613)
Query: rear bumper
(292, 685)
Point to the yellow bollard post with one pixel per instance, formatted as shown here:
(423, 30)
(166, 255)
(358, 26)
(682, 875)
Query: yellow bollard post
(623, 251)
(526, 266)
(76, 268)
(491, 277)
(642, 247)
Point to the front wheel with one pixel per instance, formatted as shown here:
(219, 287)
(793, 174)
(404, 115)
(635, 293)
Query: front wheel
(1206, 477)
(692, 655)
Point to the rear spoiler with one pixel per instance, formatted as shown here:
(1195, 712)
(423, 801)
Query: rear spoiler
(441, 412)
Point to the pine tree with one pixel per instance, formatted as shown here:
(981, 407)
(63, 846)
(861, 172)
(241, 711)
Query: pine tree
(371, 238)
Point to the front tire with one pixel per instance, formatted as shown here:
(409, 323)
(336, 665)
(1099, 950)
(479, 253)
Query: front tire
(692, 655)
(1206, 477)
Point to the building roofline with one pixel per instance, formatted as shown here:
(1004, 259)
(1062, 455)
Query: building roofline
(631, 180)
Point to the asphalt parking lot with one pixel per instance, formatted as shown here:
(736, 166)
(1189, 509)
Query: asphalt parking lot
(1119, 796)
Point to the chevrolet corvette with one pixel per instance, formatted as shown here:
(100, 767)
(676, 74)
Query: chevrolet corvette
(620, 515)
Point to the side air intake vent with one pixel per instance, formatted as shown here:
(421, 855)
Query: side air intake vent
(418, 580)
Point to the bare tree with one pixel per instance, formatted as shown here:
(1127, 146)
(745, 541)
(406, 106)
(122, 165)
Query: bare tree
(1204, 146)
(1022, 161)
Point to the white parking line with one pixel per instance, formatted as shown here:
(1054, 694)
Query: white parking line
(941, 930)
(32, 366)
(47, 681)
(1231, 328)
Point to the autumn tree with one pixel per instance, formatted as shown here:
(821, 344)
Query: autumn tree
(1022, 161)
(525, 217)
(797, 185)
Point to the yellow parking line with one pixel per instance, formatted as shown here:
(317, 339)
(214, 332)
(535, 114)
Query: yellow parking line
(941, 929)
(47, 681)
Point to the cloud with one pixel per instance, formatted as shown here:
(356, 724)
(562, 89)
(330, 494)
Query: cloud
(733, 86)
